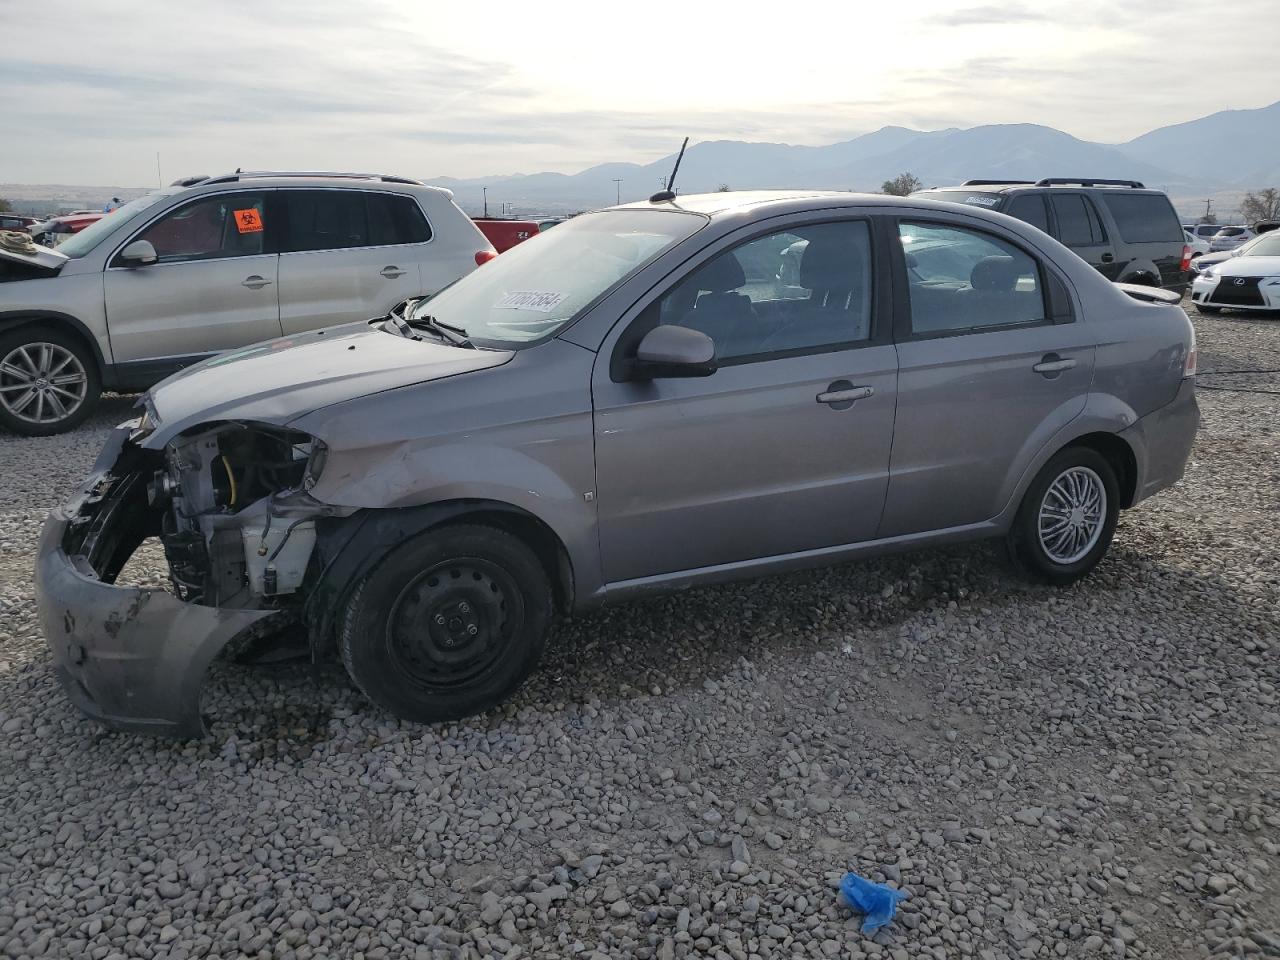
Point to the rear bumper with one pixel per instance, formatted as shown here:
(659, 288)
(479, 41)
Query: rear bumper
(1163, 440)
(133, 658)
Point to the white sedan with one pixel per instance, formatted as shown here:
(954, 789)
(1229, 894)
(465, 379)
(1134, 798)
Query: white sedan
(1249, 282)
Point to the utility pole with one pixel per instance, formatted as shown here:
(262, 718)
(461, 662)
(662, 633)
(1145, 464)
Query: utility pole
(159, 179)
(485, 191)
(1208, 209)
(618, 182)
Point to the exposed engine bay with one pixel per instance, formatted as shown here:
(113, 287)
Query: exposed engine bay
(237, 525)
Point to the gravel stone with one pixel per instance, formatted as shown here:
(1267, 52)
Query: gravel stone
(1087, 771)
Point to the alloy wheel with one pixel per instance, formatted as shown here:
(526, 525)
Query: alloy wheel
(42, 383)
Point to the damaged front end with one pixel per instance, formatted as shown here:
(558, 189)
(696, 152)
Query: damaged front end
(229, 503)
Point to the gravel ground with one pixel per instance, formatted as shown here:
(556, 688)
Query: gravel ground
(1081, 772)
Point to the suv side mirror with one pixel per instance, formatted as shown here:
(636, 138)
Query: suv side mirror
(140, 253)
(668, 351)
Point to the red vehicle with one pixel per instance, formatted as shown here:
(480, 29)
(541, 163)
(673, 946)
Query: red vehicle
(505, 234)
(18, 222)
(56, 229)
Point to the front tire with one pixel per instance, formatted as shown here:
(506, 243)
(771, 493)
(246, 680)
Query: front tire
(1067, 518)
(49, 381)
(448, 625)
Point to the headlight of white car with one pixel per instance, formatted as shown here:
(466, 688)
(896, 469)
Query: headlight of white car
(1209, 271)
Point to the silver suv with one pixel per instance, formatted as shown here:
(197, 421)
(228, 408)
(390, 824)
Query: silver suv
(646, 398)
(209, 264)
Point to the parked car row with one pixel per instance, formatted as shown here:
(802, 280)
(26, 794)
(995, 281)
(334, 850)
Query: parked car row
(211, 264)
(658, 395)
(1246, 278)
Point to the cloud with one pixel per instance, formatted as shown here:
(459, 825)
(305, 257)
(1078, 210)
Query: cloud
(990, 15)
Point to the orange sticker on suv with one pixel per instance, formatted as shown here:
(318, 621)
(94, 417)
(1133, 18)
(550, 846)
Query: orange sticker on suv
(248, 221)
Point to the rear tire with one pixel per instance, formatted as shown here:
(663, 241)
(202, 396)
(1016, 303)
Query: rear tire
(1067, 518)
(49, 381)
(448, 625)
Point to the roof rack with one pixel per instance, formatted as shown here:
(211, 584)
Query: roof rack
(1077, 182)
(993, 183)
(190, 181)
(325, 174)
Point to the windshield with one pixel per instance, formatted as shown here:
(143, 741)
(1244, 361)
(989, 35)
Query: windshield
(1263, 245)
(534, 289)
(81, 243)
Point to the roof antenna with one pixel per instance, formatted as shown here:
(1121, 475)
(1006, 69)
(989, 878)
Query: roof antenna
(669, 192)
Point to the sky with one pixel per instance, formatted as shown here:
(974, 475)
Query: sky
(96, 89)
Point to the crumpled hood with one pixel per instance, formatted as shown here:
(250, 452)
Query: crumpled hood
(279, 380)
(35, 254)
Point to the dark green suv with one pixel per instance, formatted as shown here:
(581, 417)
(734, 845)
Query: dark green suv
(1129, 233)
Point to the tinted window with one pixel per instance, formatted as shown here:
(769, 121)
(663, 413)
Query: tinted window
(1029, 208)
(961, 279)
(232, 225)
(794, 290)
(1207, 229)
(1077, 223)
(395, 220)
(1230, 232)
(1143, 217)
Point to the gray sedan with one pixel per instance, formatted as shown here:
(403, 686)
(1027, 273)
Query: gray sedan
(650, 397)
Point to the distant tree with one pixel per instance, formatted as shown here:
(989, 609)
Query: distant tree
(1211, 218)
(5, 205)
(901, 185)
(723, 188)
(1263, 205)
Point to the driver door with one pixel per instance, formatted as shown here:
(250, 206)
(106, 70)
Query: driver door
(767, 456)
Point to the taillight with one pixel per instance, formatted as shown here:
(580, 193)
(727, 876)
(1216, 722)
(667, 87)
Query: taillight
(484, 256)
(1189, 365)
(1186, 258)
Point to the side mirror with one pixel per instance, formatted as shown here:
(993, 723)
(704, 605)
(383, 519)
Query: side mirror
(668, 351)
(140, 253)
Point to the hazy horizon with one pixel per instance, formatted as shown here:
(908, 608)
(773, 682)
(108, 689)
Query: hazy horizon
(391, 86)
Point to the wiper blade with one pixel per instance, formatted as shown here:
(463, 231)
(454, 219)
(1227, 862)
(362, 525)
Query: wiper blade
(455, 335)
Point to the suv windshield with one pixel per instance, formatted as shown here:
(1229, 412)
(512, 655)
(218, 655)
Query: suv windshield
(77, 245)
(534, 289)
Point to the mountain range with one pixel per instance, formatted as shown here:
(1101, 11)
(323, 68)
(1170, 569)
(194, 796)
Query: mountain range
(1220, 155)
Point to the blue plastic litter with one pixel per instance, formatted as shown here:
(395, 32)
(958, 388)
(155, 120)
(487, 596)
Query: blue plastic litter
(875, 900)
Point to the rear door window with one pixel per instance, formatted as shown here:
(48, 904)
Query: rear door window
(1029, 208)
(1144, 217)
(1078, 224)
(343, 219)
(965, 281)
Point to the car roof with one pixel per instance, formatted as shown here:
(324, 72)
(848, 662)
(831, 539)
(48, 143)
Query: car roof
(997, 186)
(310, 178)
(722, 203)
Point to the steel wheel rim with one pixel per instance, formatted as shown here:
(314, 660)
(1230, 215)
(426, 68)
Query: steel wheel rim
(42, 383)
(453, 623)
(1073, 512)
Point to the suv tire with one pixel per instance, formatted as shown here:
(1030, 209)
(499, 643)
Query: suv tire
(448, 625)
(1067, 518)
(49, 381)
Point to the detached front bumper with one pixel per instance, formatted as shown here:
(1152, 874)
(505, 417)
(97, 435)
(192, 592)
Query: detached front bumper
(133, 658)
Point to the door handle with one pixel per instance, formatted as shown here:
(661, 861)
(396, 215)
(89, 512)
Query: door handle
(1052, 363)
(1107, 258)
(391, 272)
(255, 282)
(841, 395)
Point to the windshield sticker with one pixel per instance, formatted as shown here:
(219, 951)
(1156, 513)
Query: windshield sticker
(983, 201)
(248, 221)
(541, 301)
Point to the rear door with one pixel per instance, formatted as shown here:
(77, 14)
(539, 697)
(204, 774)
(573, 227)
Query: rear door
(1149, 227)
(1077, 225)
(990, 366)
(213, 286)
(347, 255)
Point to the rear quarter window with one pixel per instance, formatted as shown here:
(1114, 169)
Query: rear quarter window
(1144, 217)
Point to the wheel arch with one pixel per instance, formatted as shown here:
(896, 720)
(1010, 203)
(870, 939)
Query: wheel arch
(348, 548)
(1117, 452)
(15, 319)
